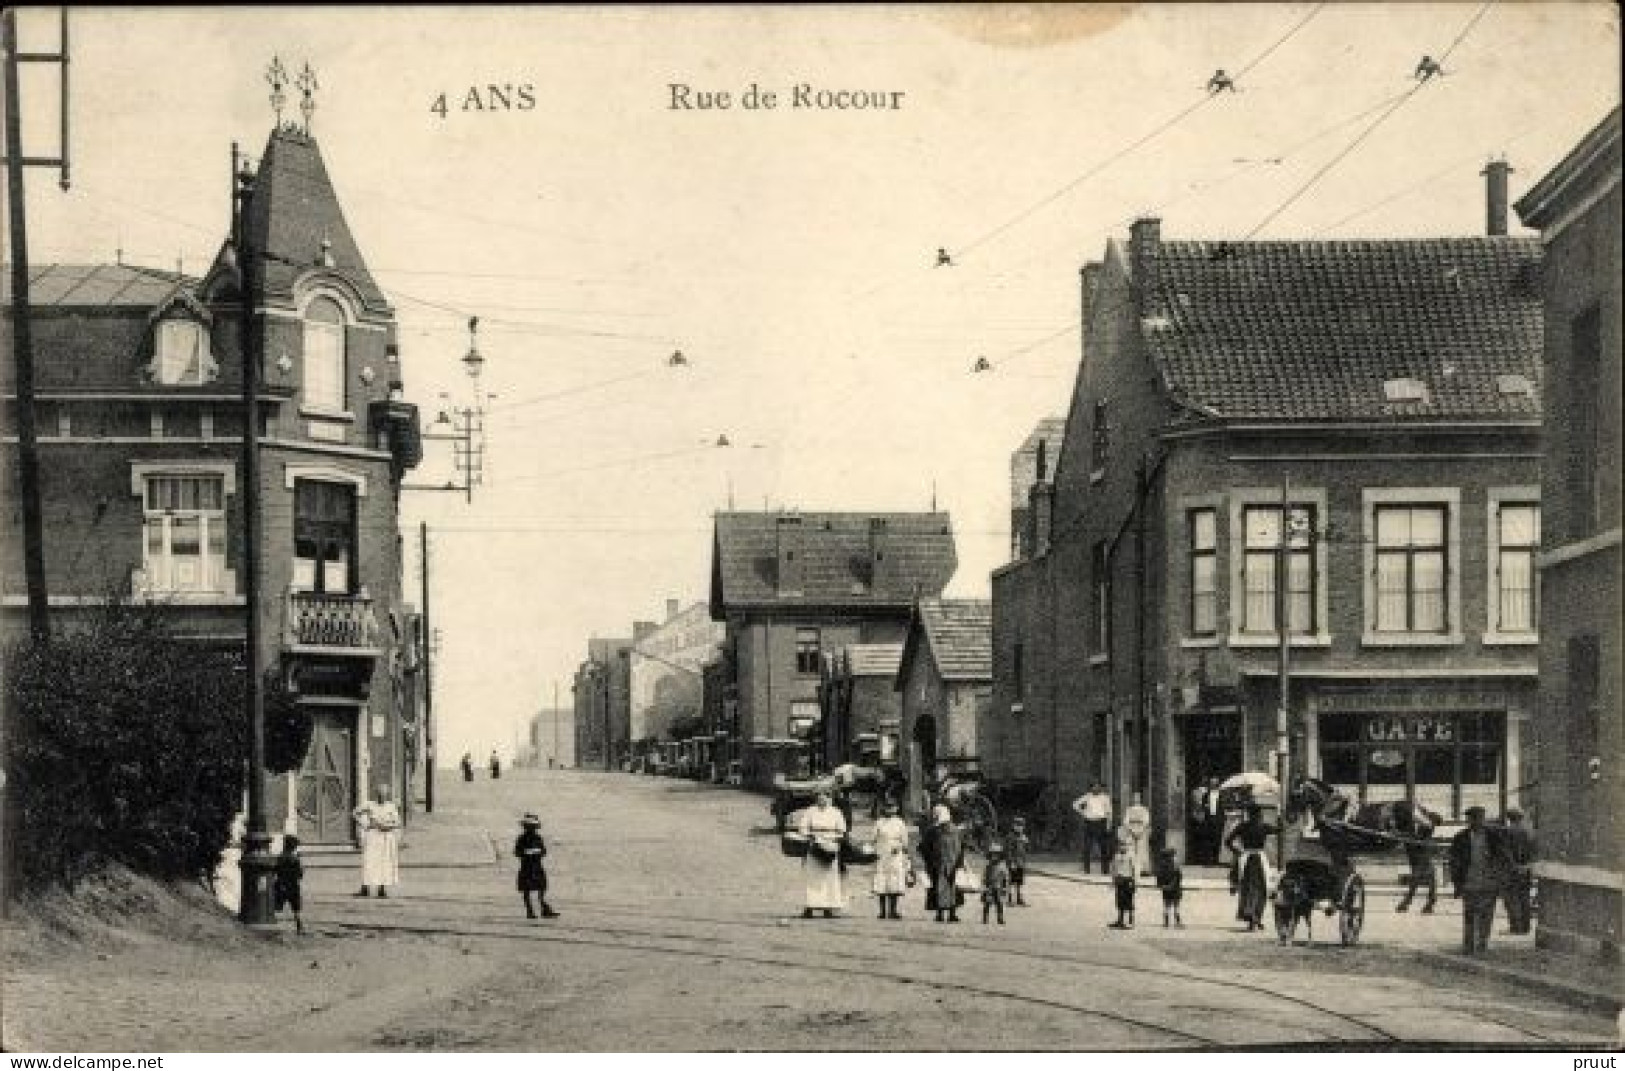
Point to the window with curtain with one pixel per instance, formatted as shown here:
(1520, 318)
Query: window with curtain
(185, 533)
(324, 355)
(1411, 568)
(1261, 543)
(180, 348)
(324, 537)
(1204, 546)
(1518, 540)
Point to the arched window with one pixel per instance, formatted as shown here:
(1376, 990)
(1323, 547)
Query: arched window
(324, 355)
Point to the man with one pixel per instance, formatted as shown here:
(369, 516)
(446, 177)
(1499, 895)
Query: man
(1521, 854)
(1095, 808)
(1419, 857)
(1137, 831)
(1479, 865)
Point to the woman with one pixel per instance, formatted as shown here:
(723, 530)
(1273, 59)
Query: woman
(380, 822)
(824, 829)
(1246, 842)
(949, 853)
(530, 850)
(892, 863)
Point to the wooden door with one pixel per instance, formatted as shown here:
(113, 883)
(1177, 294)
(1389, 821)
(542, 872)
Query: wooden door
(326, 782)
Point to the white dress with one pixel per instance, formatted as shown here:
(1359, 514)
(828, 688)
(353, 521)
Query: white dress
(827, 826)
(380, 824)
(891, 857)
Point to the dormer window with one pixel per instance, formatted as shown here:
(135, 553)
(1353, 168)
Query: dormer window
(1405, 390)
(324, 355)
(180, 353)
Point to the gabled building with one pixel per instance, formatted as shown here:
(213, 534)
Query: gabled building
(1361, 418)
(138, 380)
(791, 586)
(1581, 792)
(857, 699)
(944, 681)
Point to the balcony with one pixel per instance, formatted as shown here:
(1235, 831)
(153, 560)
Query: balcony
(313, 623)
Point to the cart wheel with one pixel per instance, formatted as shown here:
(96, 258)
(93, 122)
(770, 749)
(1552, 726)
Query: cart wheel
(1351, 906)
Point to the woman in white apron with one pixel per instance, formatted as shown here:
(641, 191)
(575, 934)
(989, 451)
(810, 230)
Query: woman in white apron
(824, 828)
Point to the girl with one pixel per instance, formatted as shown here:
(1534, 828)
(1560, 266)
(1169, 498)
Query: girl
(892, 863)
(530, 849)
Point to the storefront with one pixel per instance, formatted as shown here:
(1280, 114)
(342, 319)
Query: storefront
(1444, 750)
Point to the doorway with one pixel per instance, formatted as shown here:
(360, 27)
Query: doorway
(1212, 750)
(327, 780)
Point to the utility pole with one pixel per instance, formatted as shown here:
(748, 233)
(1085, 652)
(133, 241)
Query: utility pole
(428, 672)
(22, 326)
(1283, 626)
(555, 723)
(257, 862)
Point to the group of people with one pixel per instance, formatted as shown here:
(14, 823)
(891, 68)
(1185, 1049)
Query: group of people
(942, 852)
(1489, 864)
(494, 764)
(1094, 807)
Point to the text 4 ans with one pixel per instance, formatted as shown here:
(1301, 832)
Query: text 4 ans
(492, 97)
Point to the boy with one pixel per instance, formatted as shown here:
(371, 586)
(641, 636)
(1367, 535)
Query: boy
(1124, 873)
(995, 883)
(285, 885)
(1019, 843)
(1171, 880)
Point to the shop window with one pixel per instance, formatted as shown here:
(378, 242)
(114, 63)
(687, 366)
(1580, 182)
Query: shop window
(1443, 762)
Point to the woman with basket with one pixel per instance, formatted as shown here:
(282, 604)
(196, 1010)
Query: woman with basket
(824, 828)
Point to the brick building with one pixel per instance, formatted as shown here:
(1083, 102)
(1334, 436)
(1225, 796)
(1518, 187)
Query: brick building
(1577, 208)
(857, 698)
(1374, 404)
(789, 587)
(666, 662)
(138, 378)
(1030, 465)
(603, 704)
(944, 681)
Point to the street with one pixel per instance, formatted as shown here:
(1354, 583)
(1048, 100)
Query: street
(680, 930)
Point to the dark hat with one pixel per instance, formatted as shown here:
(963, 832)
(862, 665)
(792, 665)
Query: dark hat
(530, 820)
(1514, 814)
(1474, 810)
(289, 841)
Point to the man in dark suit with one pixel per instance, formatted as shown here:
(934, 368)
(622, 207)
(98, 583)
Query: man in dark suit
(1521, 850)
(1480, 862)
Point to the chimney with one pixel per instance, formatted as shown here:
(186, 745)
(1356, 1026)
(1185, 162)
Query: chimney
(882, 562)
(642, 630)
(788, 542)
(1088, 280)
(1144, 243)
(1040, 515)
(671, 609)
(1495, 180)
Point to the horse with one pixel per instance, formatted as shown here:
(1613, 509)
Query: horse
(1395, 818)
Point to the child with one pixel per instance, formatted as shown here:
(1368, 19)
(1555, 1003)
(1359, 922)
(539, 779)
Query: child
(285, 885)
(1171, 880)
(1019, 843)
(1124, 873)
(995, 882)
(529, 848)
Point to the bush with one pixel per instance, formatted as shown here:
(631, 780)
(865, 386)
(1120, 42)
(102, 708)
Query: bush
(127, 745)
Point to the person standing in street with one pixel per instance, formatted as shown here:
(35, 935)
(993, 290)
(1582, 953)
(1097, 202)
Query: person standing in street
(1251, 877)
(1124, 883)
(1419, 864)
(995, 883)
(1479, 865)
(1136, 829)
(1018, 844)
(948, 855)
(468, 766)
(1171, 880)
(496, 766)
(1095, 808)
(380, 823)
(1521, 875)
(892, 862)
(530, 850)
(286, 886)
(824, 828)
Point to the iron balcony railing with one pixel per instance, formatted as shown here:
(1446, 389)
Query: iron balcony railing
(342, 622)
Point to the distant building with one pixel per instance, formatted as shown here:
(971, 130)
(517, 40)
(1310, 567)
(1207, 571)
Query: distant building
(1365, 414)
(1582, 792)
(666, 663)
(551, 738)
(790, 586)
(603, 708)
(944, 682)
(1030, 468)
(857, 698)
(138, 377)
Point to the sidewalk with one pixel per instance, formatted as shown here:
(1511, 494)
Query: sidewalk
(446, 839)
(1514, 960)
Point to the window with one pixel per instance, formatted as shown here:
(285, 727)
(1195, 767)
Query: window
(1261, 528)
(1204, 559)
(1584, 423)
(1100, 445)
(185, 533)
(806, 650)
(324, 355)
(804, 716)
(1444, 761)
(1411, 577)
(1517, 531)
(1101, 579)
(180, 353)
(324, 545)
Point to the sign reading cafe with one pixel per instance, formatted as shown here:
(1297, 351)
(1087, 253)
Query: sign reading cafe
(1398, 728)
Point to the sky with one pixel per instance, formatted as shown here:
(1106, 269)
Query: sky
(788, 252)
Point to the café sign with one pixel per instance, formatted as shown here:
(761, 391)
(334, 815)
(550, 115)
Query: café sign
(1410, 728)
